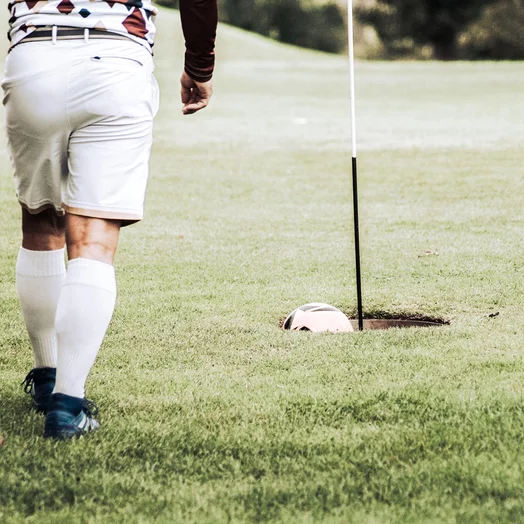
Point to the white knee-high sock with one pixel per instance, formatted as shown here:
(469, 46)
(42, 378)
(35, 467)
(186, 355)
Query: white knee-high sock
(84, 311)
(39, 279)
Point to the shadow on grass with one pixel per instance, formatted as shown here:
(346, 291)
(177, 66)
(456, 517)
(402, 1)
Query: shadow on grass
(18, 417)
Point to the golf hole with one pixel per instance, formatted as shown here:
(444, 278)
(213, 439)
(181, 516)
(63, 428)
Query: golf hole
(319, 317)
(390, 323)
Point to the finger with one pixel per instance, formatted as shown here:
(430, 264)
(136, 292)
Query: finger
(193, 99)
(195, 106)
(191, 109)
(185, 95)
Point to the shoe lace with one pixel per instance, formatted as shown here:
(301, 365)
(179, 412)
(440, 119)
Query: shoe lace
(90, 408)
(28, 381)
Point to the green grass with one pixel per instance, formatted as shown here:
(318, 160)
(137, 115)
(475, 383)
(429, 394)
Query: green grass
(210, 412)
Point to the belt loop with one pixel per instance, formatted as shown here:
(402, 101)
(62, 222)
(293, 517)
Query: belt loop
(54, 33)
(86, 35)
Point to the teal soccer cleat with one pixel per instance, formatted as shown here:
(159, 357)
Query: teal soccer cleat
(70, 417)
(39, 383)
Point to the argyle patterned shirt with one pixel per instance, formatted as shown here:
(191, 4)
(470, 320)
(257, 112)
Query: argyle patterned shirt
(132, 18)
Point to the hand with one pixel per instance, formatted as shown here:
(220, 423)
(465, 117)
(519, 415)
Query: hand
(195, 95)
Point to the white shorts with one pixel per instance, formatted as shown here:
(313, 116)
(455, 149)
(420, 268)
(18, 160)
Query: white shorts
(79, 119)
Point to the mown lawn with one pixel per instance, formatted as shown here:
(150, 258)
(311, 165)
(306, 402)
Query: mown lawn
(210, 412)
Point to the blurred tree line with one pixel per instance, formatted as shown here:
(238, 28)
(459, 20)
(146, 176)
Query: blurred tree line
(441, 29)
(307, 23)
(447, 29)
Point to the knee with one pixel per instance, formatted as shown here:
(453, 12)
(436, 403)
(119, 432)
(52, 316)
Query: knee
(43, 231)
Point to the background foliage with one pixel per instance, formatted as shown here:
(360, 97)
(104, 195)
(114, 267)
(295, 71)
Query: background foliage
(316, 25)
(469, 29)
(498, 33)
(404, 25)
(442, 29)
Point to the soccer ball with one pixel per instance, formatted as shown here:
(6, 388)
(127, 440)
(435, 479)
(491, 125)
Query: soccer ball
(318, 317)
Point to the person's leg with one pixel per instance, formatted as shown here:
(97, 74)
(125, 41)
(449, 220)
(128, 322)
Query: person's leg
(83, 314)
(87, 301)
(40, 273)
(108, 153)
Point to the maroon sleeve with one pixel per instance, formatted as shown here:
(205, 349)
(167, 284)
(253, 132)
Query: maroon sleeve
(199, 23)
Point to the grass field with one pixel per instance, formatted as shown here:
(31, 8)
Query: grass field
(210, 412)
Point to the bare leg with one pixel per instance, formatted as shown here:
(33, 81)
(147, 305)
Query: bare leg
(87, 301)
(92, 238)
(43, 232)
